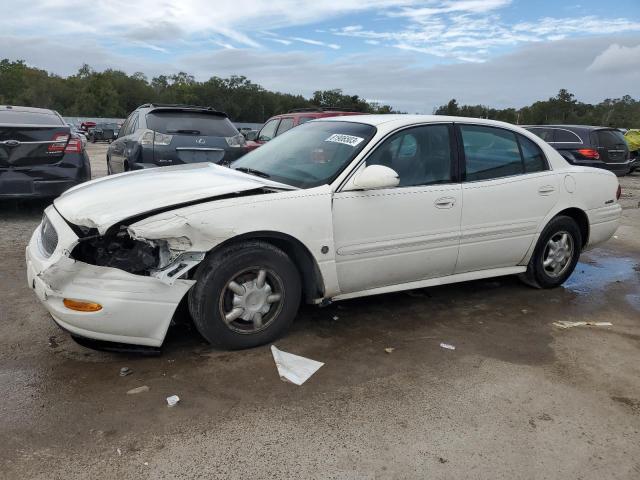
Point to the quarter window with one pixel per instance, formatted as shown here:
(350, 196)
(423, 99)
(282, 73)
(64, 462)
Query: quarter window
(285, 124)
(545, 134)
(490, 152)
(268, 131)
(420, 155)
(566, 136)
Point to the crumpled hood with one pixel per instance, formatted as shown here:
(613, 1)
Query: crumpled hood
(105, 201)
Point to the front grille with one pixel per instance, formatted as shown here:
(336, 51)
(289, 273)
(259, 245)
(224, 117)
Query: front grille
(48, 236)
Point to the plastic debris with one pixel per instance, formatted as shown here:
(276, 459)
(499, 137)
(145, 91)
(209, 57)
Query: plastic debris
(567, 324)
(293, 368)
(389, 349)
(173, 400)
(124, 371)
(336, 318)
(119, 451)
(448, 346)
(136, 390)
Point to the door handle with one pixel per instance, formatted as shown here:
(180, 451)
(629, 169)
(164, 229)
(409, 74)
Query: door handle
(546, 190)
(445, 202)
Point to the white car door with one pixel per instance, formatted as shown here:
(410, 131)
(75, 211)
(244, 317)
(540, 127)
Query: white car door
(507, 193)
(411, 232)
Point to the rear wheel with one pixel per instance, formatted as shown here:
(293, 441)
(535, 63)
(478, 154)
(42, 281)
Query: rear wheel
(245, 295)
(556, 254)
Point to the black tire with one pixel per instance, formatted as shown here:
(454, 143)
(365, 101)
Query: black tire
(539, 277)
(209, 298)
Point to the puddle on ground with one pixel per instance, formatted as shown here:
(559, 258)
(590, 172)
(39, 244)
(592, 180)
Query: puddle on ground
(594, 276)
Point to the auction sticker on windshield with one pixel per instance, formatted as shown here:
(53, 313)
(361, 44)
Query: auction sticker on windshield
(346, 139)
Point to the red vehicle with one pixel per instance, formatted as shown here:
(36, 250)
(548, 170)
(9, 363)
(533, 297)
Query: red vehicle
(87, 125)
(281, 123)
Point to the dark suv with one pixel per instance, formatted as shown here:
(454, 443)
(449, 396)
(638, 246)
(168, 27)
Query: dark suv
(158, 135)
(39, 156)
(588, 146)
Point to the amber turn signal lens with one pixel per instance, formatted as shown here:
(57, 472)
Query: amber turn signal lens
(80, 306)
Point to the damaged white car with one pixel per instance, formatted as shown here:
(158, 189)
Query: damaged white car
(334, 209)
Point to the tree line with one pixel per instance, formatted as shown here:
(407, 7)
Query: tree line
(113, 93)
(564, 108)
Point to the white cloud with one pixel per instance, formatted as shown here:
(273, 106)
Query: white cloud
(318, 43)
(617, 59)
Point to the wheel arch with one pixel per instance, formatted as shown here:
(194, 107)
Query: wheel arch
(580, 217)
(310, 275)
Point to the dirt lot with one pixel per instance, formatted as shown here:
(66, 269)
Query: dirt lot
(518, 398)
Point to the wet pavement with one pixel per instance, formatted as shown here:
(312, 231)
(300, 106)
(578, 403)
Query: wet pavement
(517, 398)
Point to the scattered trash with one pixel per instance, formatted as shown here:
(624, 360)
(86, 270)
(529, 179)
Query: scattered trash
(124, 371)
(136, 390)
(335, 317)
(389, 349)
(52, 342)
(447, 346)
(146, 463)
(567, 324)
(525, 311)
(293, 368)
(173, 400)
(615, 236)
(119, 451)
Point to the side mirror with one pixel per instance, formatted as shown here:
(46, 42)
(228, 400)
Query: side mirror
(375, 177)
(252, 135)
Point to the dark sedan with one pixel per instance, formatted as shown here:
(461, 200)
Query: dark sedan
(157, 135)
(588, 146)
(39, 156)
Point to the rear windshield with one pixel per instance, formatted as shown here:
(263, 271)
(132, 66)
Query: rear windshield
(29, 118)
(609, 138)
(191, 123)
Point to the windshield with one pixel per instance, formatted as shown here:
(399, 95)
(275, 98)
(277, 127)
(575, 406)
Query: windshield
(310, 155)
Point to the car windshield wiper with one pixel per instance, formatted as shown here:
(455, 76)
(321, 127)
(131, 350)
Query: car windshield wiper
(251, 171)
(192, 132)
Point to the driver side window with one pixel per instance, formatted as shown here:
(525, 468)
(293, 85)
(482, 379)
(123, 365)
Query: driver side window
(419, 155)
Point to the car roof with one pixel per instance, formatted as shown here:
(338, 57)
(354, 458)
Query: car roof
(17, 108)
(380, 119)
(571, 127)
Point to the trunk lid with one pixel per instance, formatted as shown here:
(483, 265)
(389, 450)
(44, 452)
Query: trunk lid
(191, 149)
(28, 145)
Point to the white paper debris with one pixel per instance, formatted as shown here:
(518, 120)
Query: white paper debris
(447, 346)
(567, 324)
(350, 140)
(389, 349)
(293, 368)
(137, 390)
(173, 400)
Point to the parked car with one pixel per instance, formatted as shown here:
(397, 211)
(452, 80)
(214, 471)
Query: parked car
(632, 137)
(599, 147)
(103, 132)
(158, 135)
(337, 208)
(39, 156)
(82, 135)
(279, 124)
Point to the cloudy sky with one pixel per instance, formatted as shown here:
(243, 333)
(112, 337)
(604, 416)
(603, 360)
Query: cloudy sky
(413, 55)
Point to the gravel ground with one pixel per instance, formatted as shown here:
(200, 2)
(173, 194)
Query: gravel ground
(517, 398)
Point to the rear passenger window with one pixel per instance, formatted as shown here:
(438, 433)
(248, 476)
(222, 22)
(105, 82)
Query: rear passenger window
(285, 124)
(566, 136)
(545, 134)
(490, 152)
(532, 156)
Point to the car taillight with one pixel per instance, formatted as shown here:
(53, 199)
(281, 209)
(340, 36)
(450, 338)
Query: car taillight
(236, 141)
(60, 140)
(149, 137)
(591, 153)
(619, 192)
(74, 146)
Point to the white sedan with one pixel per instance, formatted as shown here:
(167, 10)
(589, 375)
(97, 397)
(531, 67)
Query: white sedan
(334, 209)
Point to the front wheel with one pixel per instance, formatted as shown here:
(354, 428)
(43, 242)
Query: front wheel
(556, 254)
(245, 295)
